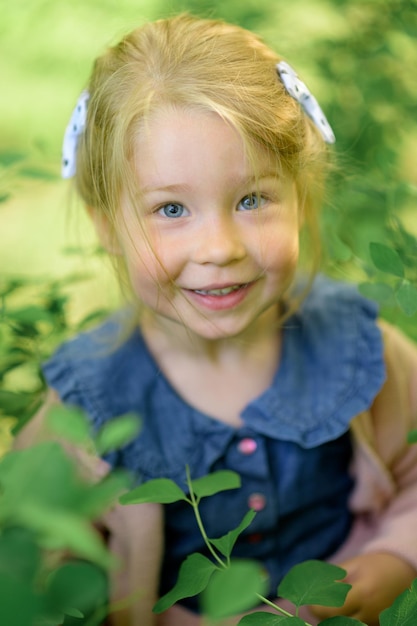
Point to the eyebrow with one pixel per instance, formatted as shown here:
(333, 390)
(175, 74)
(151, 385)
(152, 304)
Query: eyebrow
(238, 181)
(175, 187)
(248, 180)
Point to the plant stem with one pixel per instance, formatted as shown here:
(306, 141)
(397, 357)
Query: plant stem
(194, 504)
(276, 607)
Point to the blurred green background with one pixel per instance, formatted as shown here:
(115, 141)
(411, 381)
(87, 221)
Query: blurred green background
(359, 57)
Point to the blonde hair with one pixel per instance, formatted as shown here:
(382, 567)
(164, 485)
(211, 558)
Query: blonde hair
(204, 64)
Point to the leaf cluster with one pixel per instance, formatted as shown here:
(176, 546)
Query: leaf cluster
(54, 563)
(228, 586)
(33, 321)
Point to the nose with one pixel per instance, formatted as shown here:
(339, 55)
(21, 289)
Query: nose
(219, 242)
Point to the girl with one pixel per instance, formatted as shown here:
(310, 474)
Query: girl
(201, 160)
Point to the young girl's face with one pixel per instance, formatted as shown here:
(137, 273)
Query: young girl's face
(208, 253)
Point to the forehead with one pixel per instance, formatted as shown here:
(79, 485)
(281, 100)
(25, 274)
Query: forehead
(177, 143)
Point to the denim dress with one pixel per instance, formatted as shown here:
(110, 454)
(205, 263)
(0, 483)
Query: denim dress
(292, 452)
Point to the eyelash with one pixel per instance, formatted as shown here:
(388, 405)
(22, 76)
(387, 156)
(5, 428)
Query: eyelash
(170, 204)
(253, 196)
(262, 199)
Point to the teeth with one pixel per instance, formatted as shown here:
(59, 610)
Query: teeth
(217, 292)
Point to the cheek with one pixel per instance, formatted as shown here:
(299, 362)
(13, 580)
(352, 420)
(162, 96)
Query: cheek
(151, 264)
(280, 250)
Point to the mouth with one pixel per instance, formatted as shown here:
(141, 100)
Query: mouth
(221, 297)
(220, 291)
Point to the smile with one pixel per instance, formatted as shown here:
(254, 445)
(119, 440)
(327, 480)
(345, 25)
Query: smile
(219, 292)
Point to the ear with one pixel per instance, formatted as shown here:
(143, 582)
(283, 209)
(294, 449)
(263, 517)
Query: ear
(105, 231)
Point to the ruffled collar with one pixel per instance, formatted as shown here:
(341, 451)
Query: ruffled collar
(331, 369)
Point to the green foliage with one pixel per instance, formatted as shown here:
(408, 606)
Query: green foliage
(226, 543)
(228, 587)
(194, 575)
(233, 589)
(312, 582)
(403, 611)
(214, 483)
(46, 509)
(386, 259)
(412, 436)
(116, 433)
(52, 561)
(362, 68)
(71, 426)
(162, 490)
(28, 334)
(231, 586)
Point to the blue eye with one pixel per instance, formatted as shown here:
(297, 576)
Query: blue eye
(251, 202)
(172, 210)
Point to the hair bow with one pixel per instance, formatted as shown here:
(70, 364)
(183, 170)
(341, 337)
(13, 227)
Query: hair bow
(73, 131)
(300, 92)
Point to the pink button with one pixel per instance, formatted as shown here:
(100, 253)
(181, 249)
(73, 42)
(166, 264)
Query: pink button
(257, 502)
(255, 538)
(247, 446)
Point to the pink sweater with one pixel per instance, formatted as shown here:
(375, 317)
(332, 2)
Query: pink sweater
(385, 465)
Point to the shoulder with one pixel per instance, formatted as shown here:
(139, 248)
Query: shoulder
(335, 316)
(329, 297)
(336, 324)
(332, 364)
(94, 369)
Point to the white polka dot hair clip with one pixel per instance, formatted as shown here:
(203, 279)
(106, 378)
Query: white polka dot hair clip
(300, 92)
(73, 131)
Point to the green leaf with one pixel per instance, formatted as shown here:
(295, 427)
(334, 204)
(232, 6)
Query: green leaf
(215, 482)
(162, 490)
(74, 613)
(194, 575)
(51, 618)
(380, 292)
(386, 259)
(77, 586)
(406, 297)
(336, 248)
(70, 424)
(12, 403)
(31, 315)
(117, 433)
(262, 618)
(412, 436)
(342, 620)
(225, 544)
(233, 590)
(19, 554)
(65, 531)
(19, 604)
(313, 582)
(403, 612)
(103, 494)
(41, 475)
